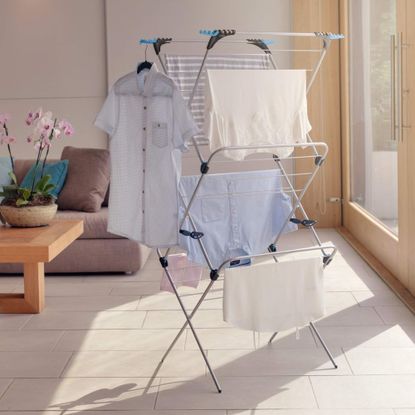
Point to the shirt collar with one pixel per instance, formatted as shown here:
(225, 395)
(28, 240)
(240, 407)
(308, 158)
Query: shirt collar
(145, 80)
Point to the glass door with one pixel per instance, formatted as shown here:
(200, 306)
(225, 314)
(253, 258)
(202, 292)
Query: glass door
(375, 108)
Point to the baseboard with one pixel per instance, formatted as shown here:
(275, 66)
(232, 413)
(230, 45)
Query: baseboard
(390, 280)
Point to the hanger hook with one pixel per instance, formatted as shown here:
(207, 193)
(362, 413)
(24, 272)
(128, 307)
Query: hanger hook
(145, 53)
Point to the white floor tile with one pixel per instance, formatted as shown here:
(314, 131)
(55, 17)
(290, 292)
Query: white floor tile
(6, 288)
(135, 412)
(344, 280)
(94, 303)
(13, 321)
(380, 391)
(314, 412)
(368, 336)
(136, 288)
(83, 320)
(271, 362)
(339, 300)
(238, 393)
(142, 339)
(374, 361)
(25, 341)
(168, 301)
(75, 289)
(4, 384)
(376, 298)
(352, 316)
(396, 315)
(221, 339)
(133, 364)
(80, 394)
(175, 319)
(32, 364)
(288, 339)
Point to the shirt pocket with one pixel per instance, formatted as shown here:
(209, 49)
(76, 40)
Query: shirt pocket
(159, 135)
(214, 209)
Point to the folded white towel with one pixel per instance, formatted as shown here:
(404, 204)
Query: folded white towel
(274, 296)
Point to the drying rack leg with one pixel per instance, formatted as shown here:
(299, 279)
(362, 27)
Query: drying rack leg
(272, 337)
(185, 324)
(189, 323)
(313, 327)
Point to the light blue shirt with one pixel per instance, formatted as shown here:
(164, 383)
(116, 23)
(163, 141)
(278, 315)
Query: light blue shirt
(239, 214)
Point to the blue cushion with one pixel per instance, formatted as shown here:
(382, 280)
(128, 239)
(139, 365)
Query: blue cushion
(57, 170)
(5, 168)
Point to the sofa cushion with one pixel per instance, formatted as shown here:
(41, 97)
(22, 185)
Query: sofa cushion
(87, 181)
(57, 170)
(95, 223)
(5, 169)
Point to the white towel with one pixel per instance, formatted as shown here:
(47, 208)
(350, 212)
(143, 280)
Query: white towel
(256, 107)
(274, 296)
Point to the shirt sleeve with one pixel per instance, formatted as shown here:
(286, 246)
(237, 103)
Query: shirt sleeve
(107, 118)
(184, 126)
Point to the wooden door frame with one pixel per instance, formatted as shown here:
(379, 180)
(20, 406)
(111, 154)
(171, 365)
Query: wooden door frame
(381, 248)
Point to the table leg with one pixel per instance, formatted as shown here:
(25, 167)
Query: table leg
(34, 286)
(32, 301)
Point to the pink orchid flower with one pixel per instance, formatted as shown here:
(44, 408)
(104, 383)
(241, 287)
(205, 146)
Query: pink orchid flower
(32, 116)
(56, 133)
(7, 139)
(66, 127)
(4, 118)
(46, 142)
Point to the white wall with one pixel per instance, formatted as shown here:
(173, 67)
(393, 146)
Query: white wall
(130, 20)
(63, 54)
(53, 54)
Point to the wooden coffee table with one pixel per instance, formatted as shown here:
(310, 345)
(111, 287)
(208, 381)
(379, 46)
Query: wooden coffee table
(33, 247)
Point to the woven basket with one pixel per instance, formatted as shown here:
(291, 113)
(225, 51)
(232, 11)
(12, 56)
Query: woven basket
(29, 216)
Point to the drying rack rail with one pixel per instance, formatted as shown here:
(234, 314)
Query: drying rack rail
(315, 151)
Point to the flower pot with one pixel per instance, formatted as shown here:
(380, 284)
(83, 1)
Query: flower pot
(28, 216)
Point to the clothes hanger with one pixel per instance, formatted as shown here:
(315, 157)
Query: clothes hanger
(146, 64)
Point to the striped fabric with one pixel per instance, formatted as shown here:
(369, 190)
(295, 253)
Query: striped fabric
(184, 69)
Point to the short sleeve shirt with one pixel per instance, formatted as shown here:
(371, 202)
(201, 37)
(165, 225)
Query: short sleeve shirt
(149, 125)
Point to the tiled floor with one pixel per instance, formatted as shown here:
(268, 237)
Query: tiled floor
(96, 350)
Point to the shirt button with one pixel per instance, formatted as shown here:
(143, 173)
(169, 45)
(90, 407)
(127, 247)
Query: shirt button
(144, 171)
(144, 149)
(145, 108)
(144, 128)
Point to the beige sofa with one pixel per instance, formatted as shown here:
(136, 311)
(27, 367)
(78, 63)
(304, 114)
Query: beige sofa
(96, 251)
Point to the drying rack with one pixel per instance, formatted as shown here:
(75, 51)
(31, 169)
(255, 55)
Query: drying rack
(317, 152)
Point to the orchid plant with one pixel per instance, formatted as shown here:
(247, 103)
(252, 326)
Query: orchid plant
(46, 128)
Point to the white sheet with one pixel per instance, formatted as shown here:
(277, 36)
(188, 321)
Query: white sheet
(274, 296)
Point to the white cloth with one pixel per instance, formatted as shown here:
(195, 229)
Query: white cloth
(183, 69)
(149, 124)
(274, 296)
(256, 107)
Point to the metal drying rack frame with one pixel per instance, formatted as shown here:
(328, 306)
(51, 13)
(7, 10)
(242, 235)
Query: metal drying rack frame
(319, 154)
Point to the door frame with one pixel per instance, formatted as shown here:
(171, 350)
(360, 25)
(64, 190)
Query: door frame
(389, 249)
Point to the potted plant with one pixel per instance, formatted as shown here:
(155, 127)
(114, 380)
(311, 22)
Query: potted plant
(35, 205)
